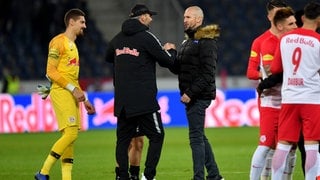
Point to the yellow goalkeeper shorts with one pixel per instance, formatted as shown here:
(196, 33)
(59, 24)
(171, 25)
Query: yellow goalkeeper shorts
(66, 108)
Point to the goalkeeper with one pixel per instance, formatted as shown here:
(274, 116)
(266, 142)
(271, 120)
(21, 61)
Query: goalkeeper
(65, 93)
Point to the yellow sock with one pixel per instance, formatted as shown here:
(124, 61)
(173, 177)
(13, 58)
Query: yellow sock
(49, 162)
(66, 168)
(64, 143)
(69, 135)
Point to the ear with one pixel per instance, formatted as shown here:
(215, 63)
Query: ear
(143, 19)
(199, 20)
(71, 22)
(280, 26)
(269, 16)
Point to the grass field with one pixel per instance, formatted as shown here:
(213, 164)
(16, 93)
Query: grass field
(21, 155)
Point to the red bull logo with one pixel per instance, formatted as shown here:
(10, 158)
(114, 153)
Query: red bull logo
(73, 62)
(30, 113)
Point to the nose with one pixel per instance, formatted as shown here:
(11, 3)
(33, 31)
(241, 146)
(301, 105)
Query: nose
(184, 20)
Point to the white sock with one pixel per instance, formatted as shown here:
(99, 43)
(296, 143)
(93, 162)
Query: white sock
(266, 172)
(290, 164)
(258, 162)
(312, 160)
(278, 161)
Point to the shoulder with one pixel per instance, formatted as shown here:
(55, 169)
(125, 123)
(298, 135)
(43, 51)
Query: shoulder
(271, 40)
(262, 37)
(150, 37)
(258, 41)
(58, 40)
(57, 44)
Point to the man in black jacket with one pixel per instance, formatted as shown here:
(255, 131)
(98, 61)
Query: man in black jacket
(134, 52)
(196, 69)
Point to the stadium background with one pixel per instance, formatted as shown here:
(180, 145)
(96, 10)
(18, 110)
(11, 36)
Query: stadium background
(28, 25)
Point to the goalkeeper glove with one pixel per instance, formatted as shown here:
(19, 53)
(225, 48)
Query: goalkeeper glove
(43, 91)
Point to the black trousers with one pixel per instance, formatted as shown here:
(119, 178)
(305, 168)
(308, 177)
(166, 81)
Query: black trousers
(151, 126)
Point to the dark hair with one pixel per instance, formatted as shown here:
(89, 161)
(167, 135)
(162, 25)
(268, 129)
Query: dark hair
(298, 15)
(312, 10)
(282, 14)
(275, 3)
(72, 14)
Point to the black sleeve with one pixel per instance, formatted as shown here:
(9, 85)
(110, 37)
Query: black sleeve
(176, 67)
(164, 58)
(270, 81)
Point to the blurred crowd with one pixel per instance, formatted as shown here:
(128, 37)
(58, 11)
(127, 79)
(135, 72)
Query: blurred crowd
(27, 26)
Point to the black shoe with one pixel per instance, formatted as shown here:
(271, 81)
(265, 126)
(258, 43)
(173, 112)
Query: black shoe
(133, 177)
(216, 178)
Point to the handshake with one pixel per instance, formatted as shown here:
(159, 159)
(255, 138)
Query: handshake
(168, 46)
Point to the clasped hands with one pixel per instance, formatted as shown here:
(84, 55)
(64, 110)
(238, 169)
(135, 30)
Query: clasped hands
(168, 46)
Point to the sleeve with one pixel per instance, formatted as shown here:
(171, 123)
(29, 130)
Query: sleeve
(253, 72)
(55, 50)
(276, 66)
(110, 53)
(164, 58)
(176, 67)
(270, 81)
(208, 60)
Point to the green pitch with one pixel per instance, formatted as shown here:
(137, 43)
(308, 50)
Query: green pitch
(21, 155)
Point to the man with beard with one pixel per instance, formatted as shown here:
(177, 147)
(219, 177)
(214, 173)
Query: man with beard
(134, 53)
(66, 94)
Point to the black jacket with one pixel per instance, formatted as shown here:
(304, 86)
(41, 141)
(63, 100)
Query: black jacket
(134, 52)
(196, 63)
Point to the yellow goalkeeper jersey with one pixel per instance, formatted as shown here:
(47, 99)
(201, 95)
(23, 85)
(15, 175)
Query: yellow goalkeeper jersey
(63, 62)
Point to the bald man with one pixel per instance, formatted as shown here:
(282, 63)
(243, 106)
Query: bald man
(196, 69)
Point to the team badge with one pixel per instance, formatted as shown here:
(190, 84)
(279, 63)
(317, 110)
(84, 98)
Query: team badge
(72, 120)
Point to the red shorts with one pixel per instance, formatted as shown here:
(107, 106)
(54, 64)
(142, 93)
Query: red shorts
(294, 117)
(268, 126)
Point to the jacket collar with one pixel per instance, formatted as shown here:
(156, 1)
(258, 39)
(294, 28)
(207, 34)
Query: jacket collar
(209, 31)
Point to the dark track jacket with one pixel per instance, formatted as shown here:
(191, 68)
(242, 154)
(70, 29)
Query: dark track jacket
(134, 52)
(196, 63)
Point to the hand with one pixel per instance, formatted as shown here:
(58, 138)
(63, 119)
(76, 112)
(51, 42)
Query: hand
(185, 99)
(89, 107)
(259, 91)
(78, 94)
(43, 91)
(168, 46)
